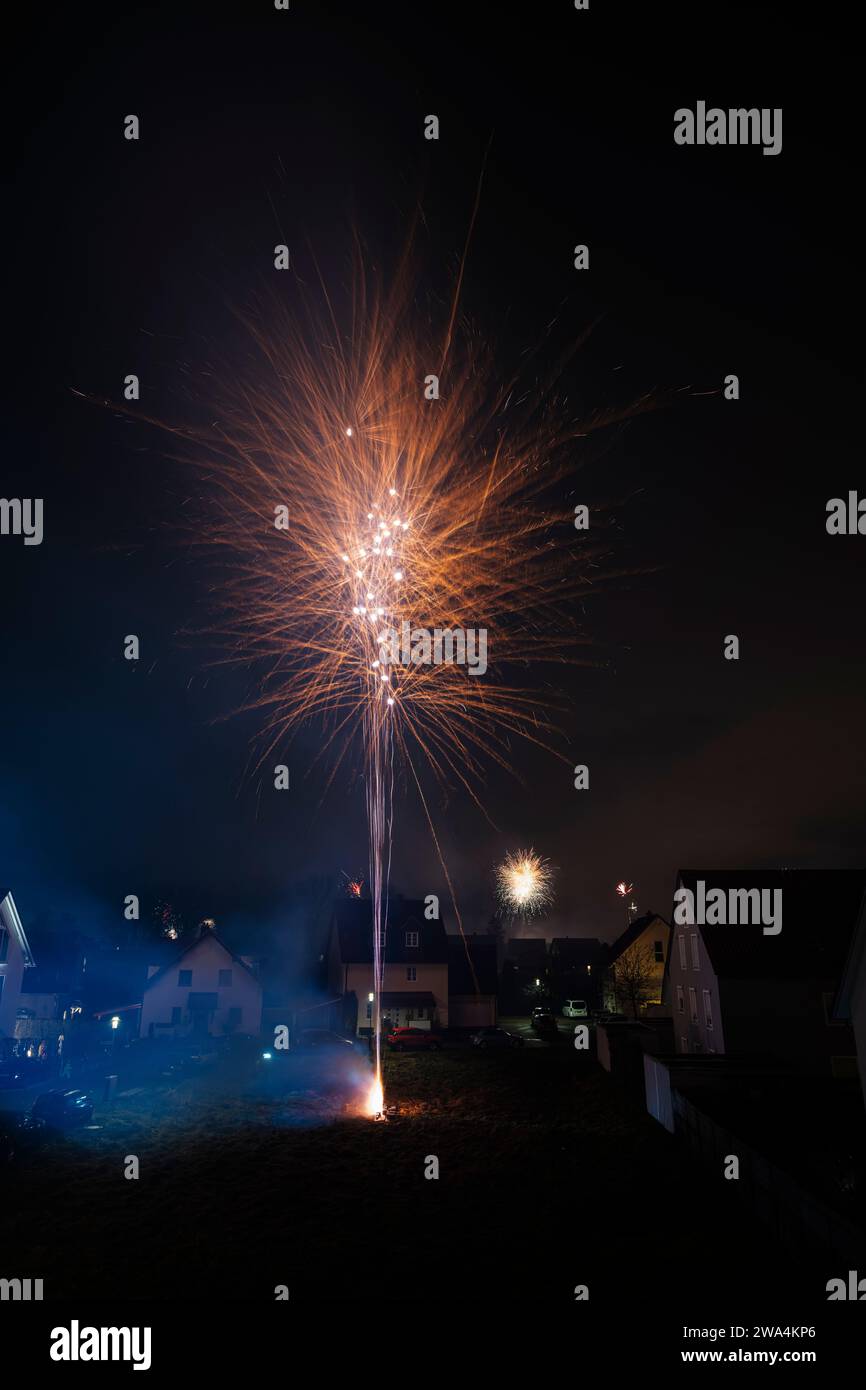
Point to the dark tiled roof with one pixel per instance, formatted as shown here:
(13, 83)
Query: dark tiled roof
(483, 952)
(353, 923)
(526, 950)
(820, 911)
(575, 950)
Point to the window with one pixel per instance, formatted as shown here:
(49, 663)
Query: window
(681, 1000)
(225, 979)
(708, 1009)
(696, 960)
(184, 978)
(411, 972)
(693, 1004)
(369, 1010)
(659, 952)
(176, 1014)
(412, 938)
(235, 1016)
(681, 942)
(381, 941)
(684, 1043)
(4, 943)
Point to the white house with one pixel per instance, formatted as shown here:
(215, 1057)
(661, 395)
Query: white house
(206, 989)
(415, 956)
(15, 958)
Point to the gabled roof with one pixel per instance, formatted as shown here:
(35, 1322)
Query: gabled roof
(173, 964)
(631, 934)
(353, 926)
(820, 911)
(12, 922)
(482, 949)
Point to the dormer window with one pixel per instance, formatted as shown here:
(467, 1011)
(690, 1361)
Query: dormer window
(413, 938)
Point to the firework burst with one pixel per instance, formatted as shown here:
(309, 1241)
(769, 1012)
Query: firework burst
(363, 469)
(524, 883)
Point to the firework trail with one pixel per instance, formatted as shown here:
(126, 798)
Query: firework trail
(361, 468)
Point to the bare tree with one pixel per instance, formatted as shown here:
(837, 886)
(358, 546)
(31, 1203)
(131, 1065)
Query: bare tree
(635, 977)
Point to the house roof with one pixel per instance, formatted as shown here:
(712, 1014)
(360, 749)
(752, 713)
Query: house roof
(526, 950)
(820, 912)
(353, 928)
(175, 961)
(575, 950)
(12, 922)
(482, 949)
(631, 934)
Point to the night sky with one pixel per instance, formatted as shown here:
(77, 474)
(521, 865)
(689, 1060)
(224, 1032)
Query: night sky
(260, 127)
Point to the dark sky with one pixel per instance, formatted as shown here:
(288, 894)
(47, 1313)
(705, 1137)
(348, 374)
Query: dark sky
(260, 126)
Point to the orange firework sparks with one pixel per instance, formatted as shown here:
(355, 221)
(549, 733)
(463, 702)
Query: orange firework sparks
(364, 475)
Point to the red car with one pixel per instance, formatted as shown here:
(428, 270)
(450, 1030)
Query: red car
(401, 1039)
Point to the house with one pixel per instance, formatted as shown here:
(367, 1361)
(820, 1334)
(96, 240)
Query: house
(576, 968)
(745, 988)
(472, 981)
(415, 963)
(15, 958)
(205, 989)
(524, 973)
(635, 967)
(850, 1003)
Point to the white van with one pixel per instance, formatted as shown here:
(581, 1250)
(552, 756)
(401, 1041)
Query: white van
(575, 1008)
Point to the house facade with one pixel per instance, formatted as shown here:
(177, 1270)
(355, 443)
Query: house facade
(15, 959)
(635, 970)
(206, 990)
(737, 989)
(415, 964)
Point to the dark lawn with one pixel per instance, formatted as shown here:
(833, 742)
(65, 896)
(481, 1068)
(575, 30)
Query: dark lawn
(551, 1175)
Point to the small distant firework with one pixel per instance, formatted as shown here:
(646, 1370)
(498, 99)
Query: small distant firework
(353, 887)
(524, 884)
(624, 888)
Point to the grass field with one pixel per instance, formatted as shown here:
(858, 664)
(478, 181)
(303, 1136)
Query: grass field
(551, 1175)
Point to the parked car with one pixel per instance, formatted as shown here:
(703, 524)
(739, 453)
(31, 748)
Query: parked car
(544, 1024)
(575, 1008)
(495, 1037)
(63, 1109)
(20, 1134)
(543, 1016)
(402, 1039)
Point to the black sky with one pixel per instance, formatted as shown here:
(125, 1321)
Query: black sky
(260, 126)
